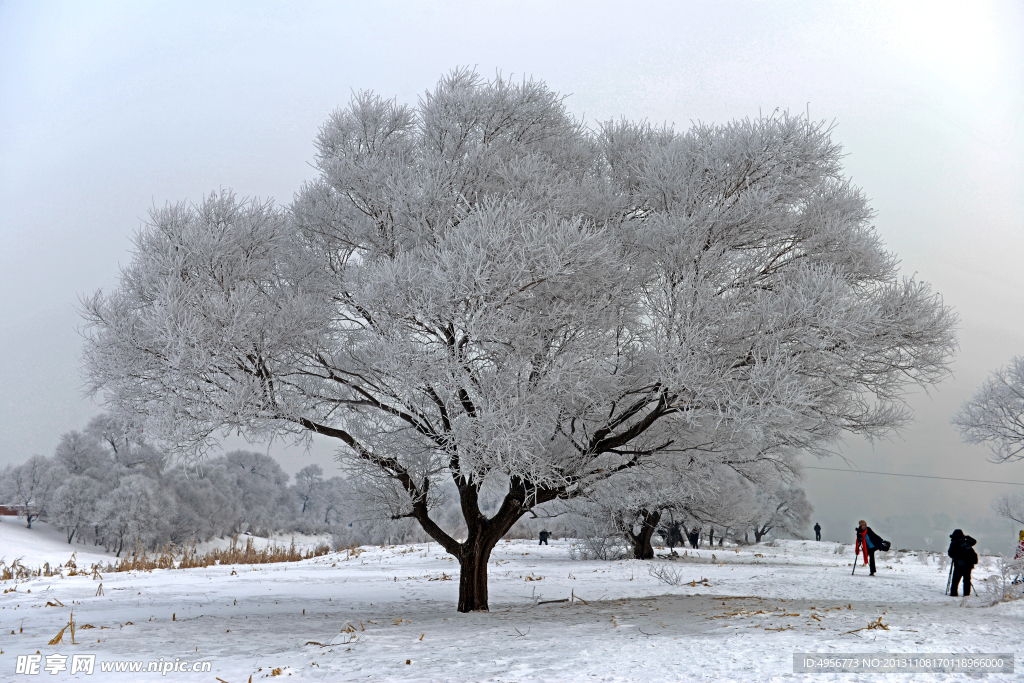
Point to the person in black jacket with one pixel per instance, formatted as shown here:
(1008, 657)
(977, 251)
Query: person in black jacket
(961, 551)
(817, 531)
(870, 542)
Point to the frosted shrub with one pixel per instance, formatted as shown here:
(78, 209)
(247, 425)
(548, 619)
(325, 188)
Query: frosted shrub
(1008, 584)
(839, 550)
(598, 548)
(597, 537)
(670, 575)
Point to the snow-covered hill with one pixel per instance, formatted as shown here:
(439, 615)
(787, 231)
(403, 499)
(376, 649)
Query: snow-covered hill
(42, 543)
(389, 614)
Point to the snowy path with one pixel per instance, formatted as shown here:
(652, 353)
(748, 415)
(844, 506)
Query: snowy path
(400, 601)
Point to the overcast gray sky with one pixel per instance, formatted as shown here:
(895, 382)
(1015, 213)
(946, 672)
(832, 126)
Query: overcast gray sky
(109, 108)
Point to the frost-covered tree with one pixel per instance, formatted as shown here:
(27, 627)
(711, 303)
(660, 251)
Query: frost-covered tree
(995, 414)
(208, 502)
(81, 454)
(262, 489)
(633, 504)
(29, 486)
(480, 288)
(1010, 507)
(726, 503)
(73, 504)
(308, 483)
(128, 451)
(132, 514)
(331, 499)
(780, 508)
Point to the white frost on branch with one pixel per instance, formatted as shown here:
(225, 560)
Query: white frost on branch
(994, 416)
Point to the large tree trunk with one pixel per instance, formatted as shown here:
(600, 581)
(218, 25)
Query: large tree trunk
(641, 542)
(482, 535)
(473, 557)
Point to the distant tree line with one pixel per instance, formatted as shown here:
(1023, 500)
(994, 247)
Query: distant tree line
(105, 488)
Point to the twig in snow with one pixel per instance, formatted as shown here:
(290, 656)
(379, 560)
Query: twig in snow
(872, 625)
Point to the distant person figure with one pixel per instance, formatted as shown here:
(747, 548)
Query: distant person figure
(817, 531)
(695, 538)
(870, 542)
(544, 537)
(961, 551)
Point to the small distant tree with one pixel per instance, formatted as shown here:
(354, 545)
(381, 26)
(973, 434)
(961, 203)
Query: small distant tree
(128, 451)
(635, 505)
(308, 484)
(73, 504)
(131, 514)
(29, 486)
(482, 289)
(780, 508)
(729, 498)
(1010, 507)
(82, 453)
(262, 489)
(994, 416)
(208, 502)
(332, 497)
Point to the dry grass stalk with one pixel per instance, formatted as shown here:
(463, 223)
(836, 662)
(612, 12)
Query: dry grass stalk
(871, 626)
(59, 638)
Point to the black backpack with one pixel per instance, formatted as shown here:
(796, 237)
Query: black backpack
(966, 556)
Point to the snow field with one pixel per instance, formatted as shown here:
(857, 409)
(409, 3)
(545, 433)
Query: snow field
(362, 616)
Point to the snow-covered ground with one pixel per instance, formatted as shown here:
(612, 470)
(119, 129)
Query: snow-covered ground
(389, 614)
